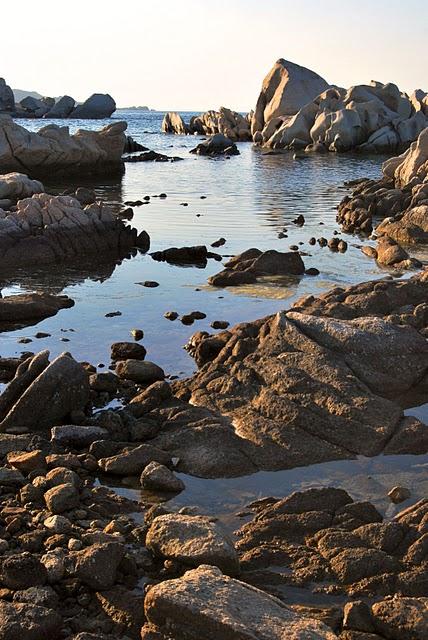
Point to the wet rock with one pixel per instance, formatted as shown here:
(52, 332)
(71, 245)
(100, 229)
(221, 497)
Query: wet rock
(253, 263)
(398, 494)
(97, 565)
(133, 461)
(216, 145)
(140, 371)
(28, 622)
(159, 478)
(218, 243)
(137, 334)
(62, 497)
(170, 315)
(205, 601)
(127, 350)
(26, 309)
(192, 540)
(183, 255)
(42, 393)
(219, 324)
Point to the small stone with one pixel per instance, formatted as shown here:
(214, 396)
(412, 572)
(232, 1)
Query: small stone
(140, 371)
(27, 461)
(312, 271)
(41, 334)
(170, 315)
(63, 497)
(24, 340)
(398, 494)
(219, 324)
(113, 314)
(74, 544)
(127, 351)
(58, 524)
(137, 334)
(198, 315)
(150, 284)
(187, 319)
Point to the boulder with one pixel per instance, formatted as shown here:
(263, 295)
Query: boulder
(42, 394)
(192, 540)
(216, 145)
(21, 571)
(34, 107)
(140, 371)
(97, 106)
(7, 99)
(158, 477)
(62, 497)
(174, 123)
(203, 604)
(401, 618)
(15, 186)
(286, 89)
(97, 565)
(133, 461)
(62, 108)
(76, 436)
(26, 309)
(53, 150)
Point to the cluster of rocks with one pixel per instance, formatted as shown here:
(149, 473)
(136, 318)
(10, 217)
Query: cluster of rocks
(399, 199)
(297, 109)
(97, 106)
(249, 266)
(230, 123)
(42, 228)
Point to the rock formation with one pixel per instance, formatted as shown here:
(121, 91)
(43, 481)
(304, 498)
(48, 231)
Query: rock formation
(26, 309)
(61, 109)
(286, 89)
(305, 386)
(298, 110)
(97, 106)
(230, 123)
(46, 229)
(247, 267)
(400, 198)
(53, 150)
(14, 186)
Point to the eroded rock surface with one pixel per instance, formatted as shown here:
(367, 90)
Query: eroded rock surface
(47, 228)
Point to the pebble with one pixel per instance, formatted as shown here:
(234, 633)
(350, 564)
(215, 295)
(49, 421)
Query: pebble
(170, 315)
(41, 334)
(322, 242)
(113, 314)
(294, 247)
(398, 494)
(151, 284)
(312, 241)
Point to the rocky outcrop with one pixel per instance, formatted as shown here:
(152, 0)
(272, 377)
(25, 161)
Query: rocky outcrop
(286, 89)
(26, 309)
(297, 110)
(43, 393)
(53, 150)
(7, 99)
(14, 186)
(247, 267)
(35, 107)
(327, 380)
(46, 229)
(97, 106)
(399, 199)
(322, 540)
(230, 124)
(206, 604)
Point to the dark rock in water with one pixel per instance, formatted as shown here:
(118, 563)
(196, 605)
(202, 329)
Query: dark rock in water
(187, 319)
(150, 284)
(219, 324)
(126, 350)
(247, 267)
(183, 255)
(171, 315)
(43, 393)
(97, 106)
(26, 309)
(132, 146)
(216, 145)
(219, 243)
(159, 478)
(151, 156)
(312, 271)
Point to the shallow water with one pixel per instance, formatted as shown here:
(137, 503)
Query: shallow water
(250, 199)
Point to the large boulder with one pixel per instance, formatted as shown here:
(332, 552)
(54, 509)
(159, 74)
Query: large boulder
(174, 123)
(206, 604)
(216, 145)
(42, 394)
(26, 309)
(286, 89)
(34, 107)
(46, 229)
(53, 150)
(7, 99)
(62, 108)
(97, 106)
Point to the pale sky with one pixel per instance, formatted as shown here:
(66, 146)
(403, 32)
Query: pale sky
(200, 54)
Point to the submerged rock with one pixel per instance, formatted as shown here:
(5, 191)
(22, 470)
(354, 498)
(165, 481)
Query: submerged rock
(205, 603)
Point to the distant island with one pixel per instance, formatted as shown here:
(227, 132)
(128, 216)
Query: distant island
(134, 108)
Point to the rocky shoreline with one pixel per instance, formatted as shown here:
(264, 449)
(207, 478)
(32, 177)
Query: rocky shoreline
(329, 379)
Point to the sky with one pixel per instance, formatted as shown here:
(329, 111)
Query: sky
(200, 54)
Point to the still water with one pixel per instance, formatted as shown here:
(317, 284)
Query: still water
(249, 200)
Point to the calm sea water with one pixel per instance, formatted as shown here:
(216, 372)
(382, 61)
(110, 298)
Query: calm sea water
(249, 200)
